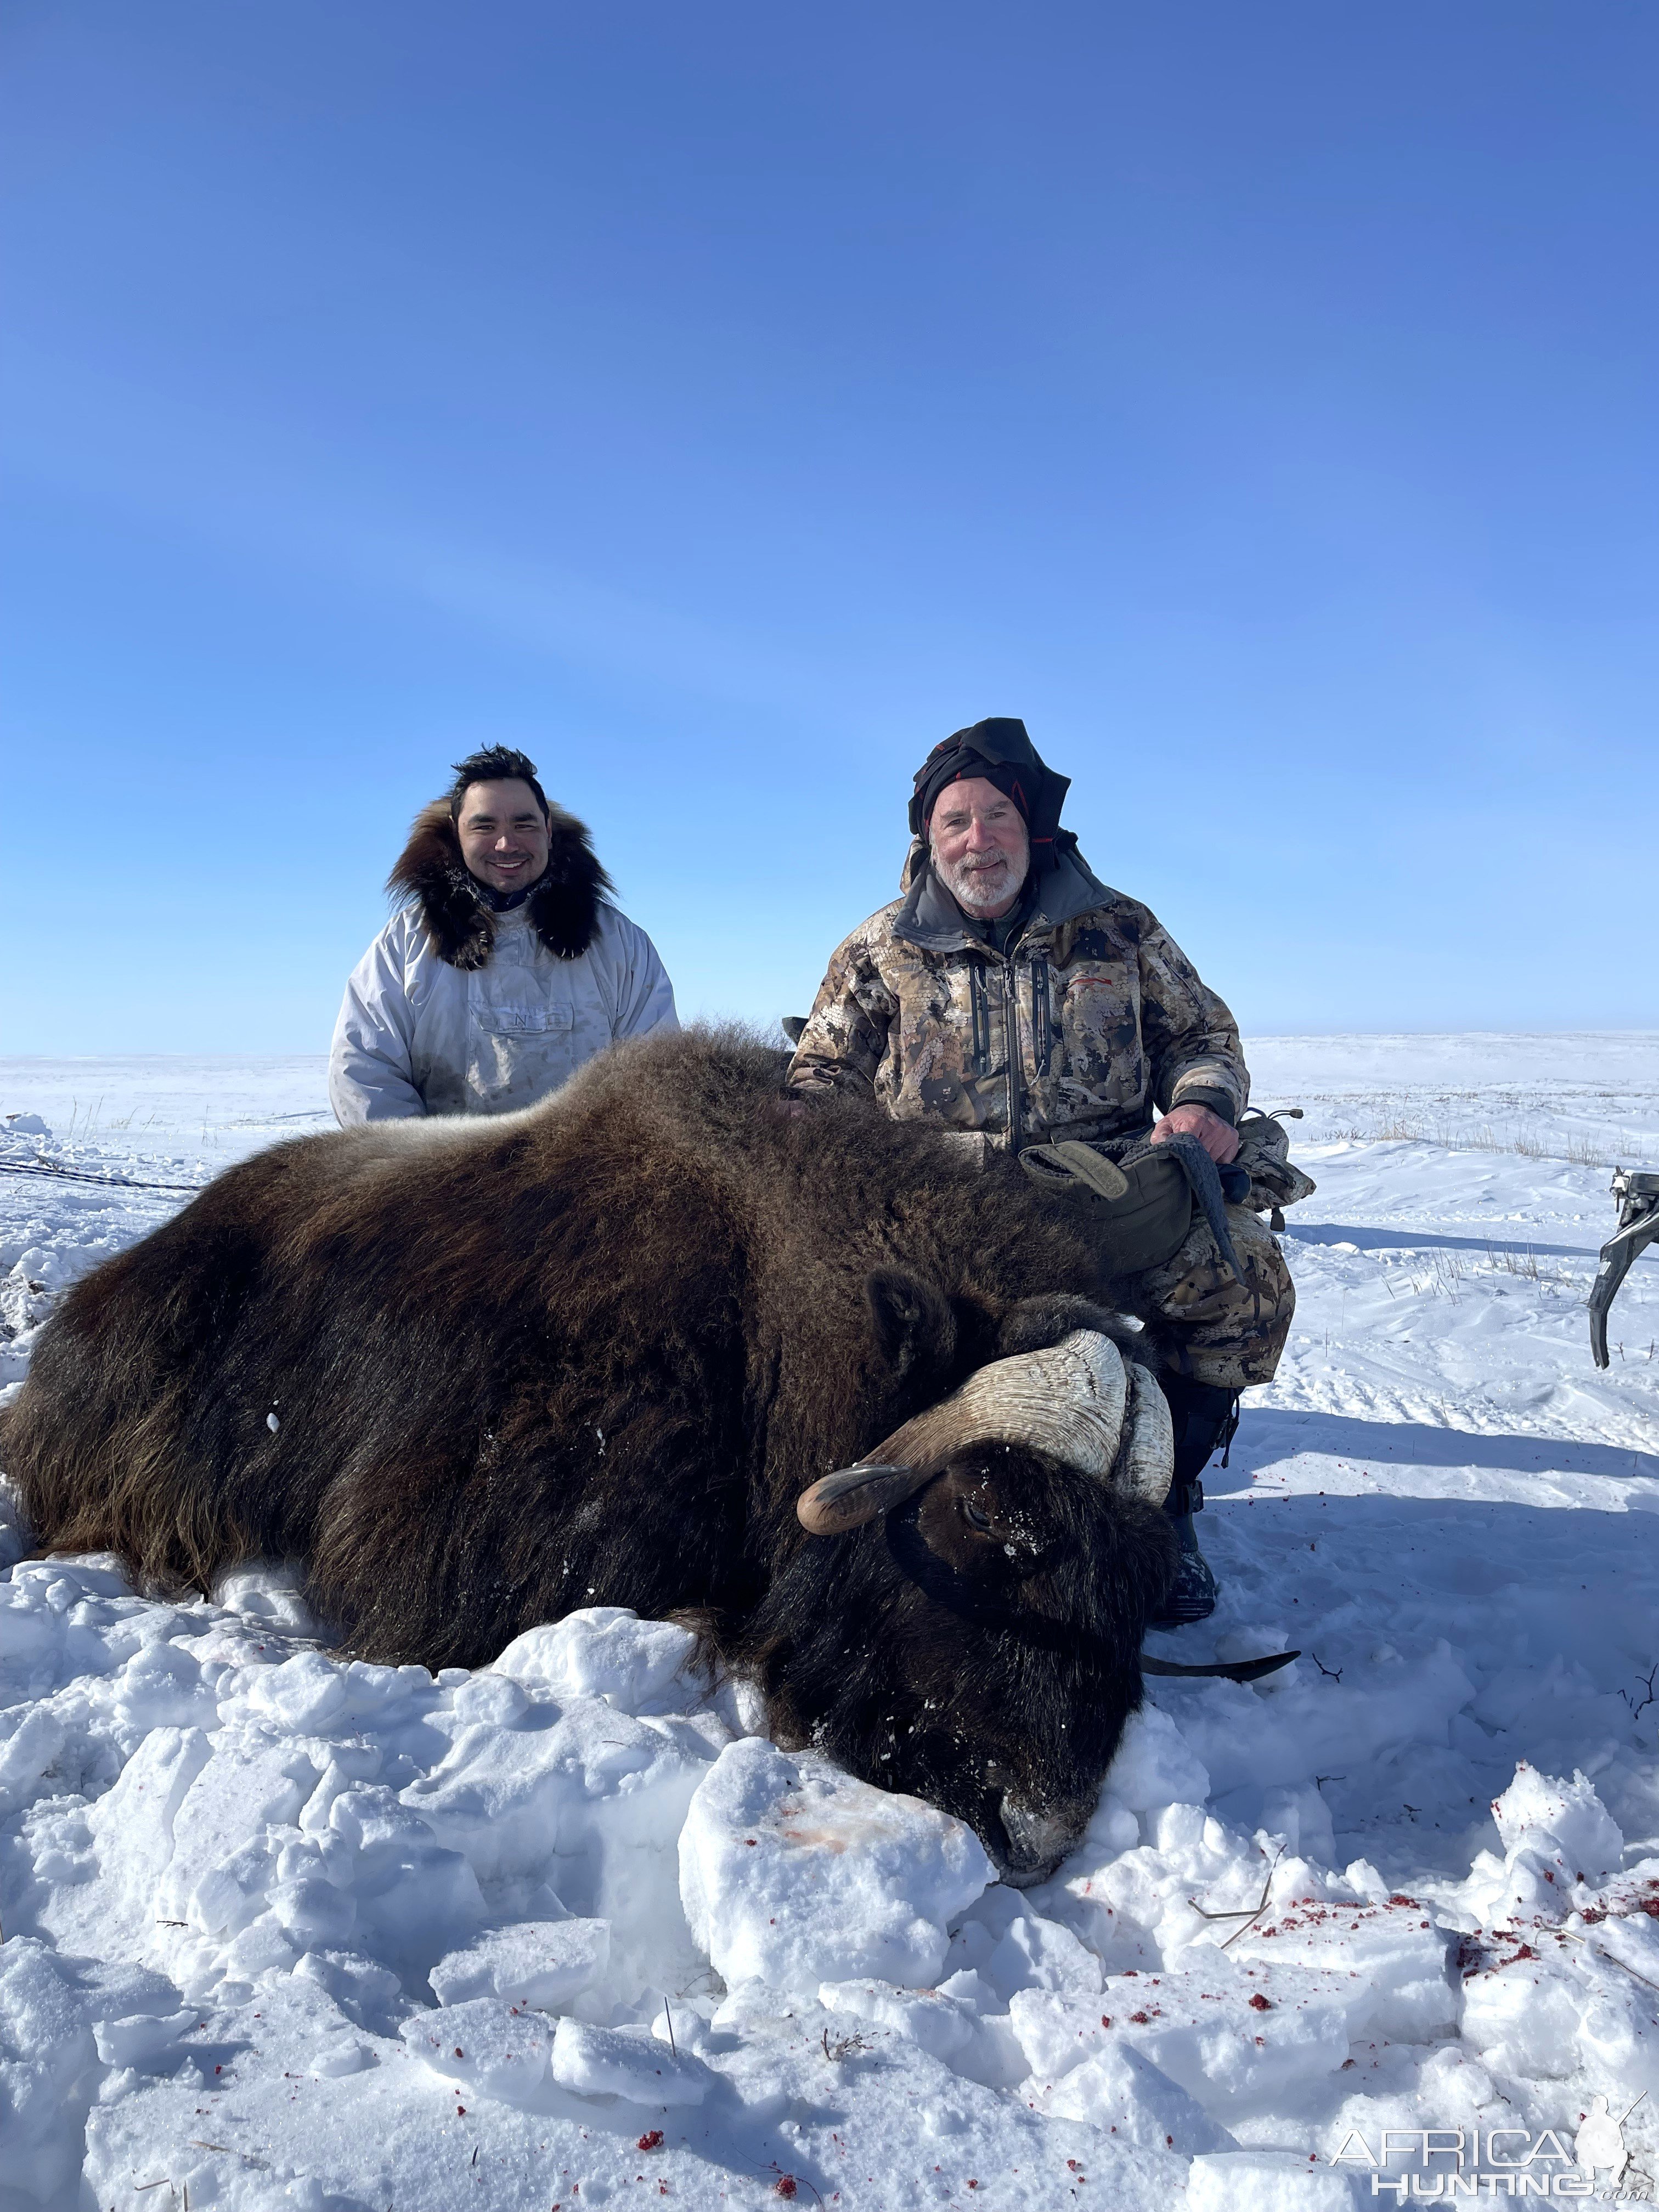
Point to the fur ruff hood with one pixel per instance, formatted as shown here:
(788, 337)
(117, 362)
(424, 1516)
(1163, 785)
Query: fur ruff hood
(563, 908)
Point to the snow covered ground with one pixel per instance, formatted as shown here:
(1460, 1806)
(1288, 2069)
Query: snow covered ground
(567, 1931)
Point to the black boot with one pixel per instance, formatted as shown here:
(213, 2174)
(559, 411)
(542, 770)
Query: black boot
(1204, 1416)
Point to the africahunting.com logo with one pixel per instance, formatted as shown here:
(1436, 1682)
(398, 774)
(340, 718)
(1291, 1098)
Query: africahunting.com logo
(1425, 2164)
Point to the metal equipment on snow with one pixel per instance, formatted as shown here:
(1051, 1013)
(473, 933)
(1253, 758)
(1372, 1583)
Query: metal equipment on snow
(1636, 1190)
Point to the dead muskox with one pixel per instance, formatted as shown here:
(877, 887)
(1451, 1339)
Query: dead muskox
(475, 1373)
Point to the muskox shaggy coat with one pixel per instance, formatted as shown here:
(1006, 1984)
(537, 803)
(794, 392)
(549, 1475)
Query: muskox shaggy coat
(476, 1374)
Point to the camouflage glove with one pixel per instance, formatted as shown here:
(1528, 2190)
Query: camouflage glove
(1264, 1153)
(1144, 1208)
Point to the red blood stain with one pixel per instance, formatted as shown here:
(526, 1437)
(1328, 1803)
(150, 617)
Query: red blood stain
(649, 2142)
(1259, 2003)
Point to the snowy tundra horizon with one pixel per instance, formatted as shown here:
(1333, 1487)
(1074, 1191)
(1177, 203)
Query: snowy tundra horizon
(566, 1929)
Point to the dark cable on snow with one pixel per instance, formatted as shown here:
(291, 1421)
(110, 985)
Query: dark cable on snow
(79, 1175)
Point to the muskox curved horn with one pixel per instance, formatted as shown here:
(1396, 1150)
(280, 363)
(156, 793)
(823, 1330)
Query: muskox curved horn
(1146, 1459)
(1067, 1401)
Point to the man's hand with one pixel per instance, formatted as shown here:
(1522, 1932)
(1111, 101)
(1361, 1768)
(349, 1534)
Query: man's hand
(1219, 1137)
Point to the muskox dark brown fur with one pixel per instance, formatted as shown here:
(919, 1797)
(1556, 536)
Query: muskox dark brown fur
(474, 1374)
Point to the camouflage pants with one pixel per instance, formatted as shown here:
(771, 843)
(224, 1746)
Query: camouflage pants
(1205, 1324)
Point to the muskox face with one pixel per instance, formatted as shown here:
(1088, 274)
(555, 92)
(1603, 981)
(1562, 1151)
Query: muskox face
(967, 1625)
(1002, 1608)
(1018, 1624)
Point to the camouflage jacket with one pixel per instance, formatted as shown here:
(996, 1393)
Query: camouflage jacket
(1091, 1015)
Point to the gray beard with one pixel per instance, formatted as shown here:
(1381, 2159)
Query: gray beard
(976, 889)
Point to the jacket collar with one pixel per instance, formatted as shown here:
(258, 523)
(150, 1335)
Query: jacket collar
(930, 918)
(563, 909)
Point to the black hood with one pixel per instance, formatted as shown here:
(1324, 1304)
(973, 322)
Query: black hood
(998, 748)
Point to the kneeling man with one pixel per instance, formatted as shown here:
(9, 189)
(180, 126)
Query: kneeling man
(506, 969)
(1010, 993)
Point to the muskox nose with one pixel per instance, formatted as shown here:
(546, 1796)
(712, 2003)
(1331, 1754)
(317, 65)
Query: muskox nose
(1037, 1840)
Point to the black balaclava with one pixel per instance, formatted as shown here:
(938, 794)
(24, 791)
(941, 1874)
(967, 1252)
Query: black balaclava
(999, 750)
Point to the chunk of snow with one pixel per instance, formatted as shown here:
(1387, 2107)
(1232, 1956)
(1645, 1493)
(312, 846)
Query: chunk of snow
(926, 2017)
(303, 1695)
(1120, 2090)
(1400, 1957)
(492, 2049)
(1567, 1815)
(603, 1651)
(346, 2055)
(1155, 1766)
(605, 2061)
(793, 1873)
(268, 1590)
(545, 1963)
(1034, 1953)
(142, 2040)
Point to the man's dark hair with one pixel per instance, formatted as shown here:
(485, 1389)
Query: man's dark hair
(494, 765)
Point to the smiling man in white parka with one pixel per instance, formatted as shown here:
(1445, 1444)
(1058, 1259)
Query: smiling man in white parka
(505, 969)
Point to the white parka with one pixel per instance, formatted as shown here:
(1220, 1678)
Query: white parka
(421, 1033)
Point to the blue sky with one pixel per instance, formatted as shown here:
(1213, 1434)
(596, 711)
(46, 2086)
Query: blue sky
(726, 403)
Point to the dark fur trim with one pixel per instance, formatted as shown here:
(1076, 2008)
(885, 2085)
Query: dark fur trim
(564, 907)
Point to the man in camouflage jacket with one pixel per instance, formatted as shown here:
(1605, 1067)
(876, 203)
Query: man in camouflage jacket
(1011, 995)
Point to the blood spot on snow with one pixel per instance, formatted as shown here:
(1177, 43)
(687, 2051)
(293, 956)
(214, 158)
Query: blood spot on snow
(1139, 2018)
(1105, 2020)
(1259, 2003)
(785, 2185)
(650, 2140)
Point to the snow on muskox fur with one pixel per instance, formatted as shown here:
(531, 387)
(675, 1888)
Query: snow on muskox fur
(474, 1374)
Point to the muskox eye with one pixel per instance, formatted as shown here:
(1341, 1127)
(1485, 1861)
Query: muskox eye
(973, 1516)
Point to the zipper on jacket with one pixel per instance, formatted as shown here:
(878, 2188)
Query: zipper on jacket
(1011, 1018)
(979, 1003)
(1042, 1041)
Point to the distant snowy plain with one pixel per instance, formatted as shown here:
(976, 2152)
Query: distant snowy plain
(281, 1930)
